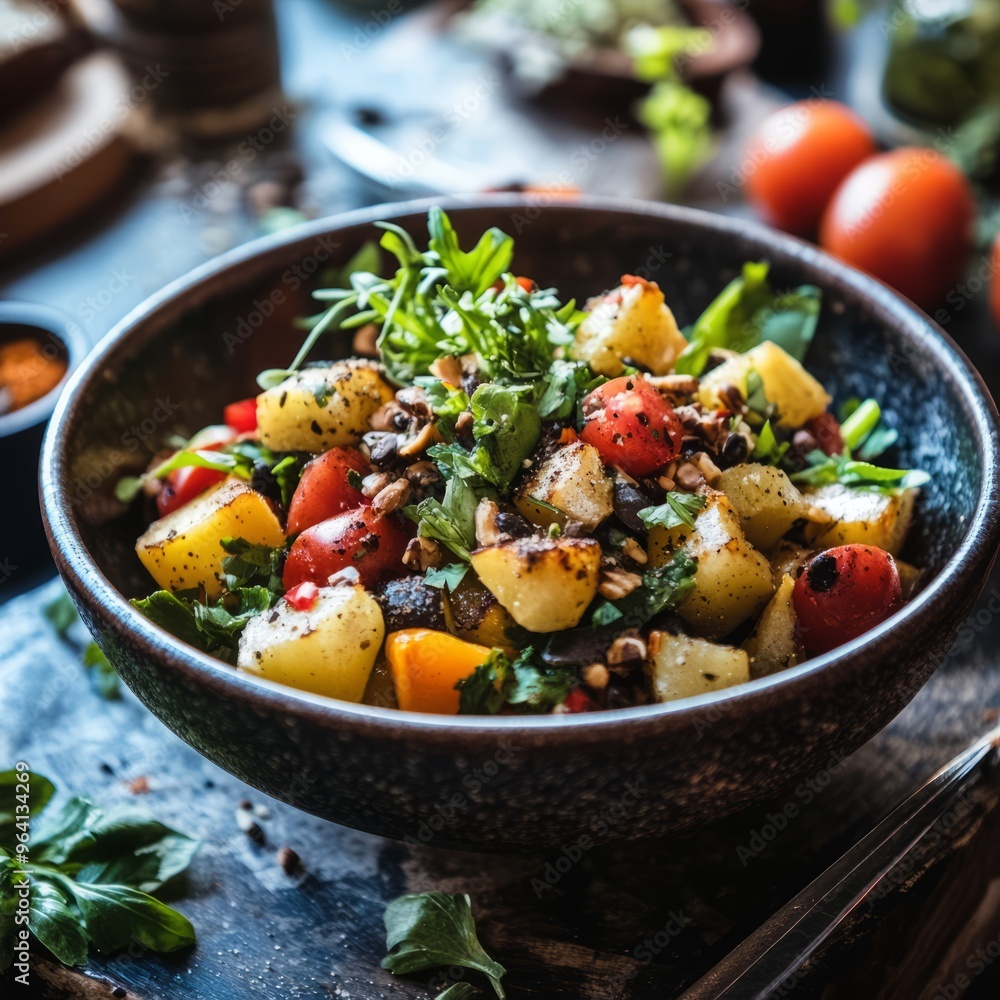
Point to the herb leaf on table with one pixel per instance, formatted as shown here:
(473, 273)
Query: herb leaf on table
(431, 929)
(89, 873)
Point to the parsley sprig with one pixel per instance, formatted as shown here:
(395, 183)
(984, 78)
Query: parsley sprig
(89, 874)
(502, 681)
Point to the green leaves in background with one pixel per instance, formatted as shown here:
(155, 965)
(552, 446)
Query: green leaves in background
(90, 873)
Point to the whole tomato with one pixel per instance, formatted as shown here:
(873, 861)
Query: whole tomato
(182, 485)
(325, 489)
(842, 593)
(373, 545)
(631, 425)
(905, 217)
(797, 157)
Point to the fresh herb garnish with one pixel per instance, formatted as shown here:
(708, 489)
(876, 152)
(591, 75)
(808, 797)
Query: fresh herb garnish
(676, 510)
(427, 930)
(768, 449)
(446, 577)
(251, 565)
(662, 588)
(451, 520)
(501, 681)
(89, 874)
(565, 385)
(746, 312)
(62, 616)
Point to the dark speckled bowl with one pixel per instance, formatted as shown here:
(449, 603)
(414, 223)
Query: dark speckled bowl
(519, 782)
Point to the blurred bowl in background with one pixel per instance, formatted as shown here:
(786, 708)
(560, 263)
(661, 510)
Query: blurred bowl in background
(39, 347)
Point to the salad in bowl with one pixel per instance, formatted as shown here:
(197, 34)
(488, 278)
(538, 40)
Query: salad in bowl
(505, 503)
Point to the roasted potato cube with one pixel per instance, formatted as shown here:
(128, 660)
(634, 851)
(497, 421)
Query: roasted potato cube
(321, 408)
(797, 395)
(545, 583)
(182, 551)
(861, 516)
(772, 647)
(329, 649)
(733, 580)
(766, 501)
(572, 480)
(633, 322)
(681, 667)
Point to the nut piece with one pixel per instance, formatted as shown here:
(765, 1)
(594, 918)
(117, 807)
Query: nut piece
(707, 467)
(374, 483)
(423, 554)
(689, 476)
(634, 551)
(424, 439)
(596, 676)
(391, 498)
(617, 583)
(448, 369)
(365, 341)
(487, 532)
(626, 650)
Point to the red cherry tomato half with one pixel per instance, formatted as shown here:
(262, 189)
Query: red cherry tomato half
(798, 156)
(241, 416)
(631, 425)
(826, 429)
(325, 489)
(844, 592)
(303, 597)
(905, 217)
(578, 701)
(182, 485)
(374, 546)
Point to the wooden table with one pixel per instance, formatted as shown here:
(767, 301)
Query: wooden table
(636, 921)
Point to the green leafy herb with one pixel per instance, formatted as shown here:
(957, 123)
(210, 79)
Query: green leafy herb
(89, 873)
(566, 383)
(677, 509)
(432, 929)
(447, 402)
(768, 449)
(458, 991)
(864, 431)
(501, 681)
(825, 470)
(61, 614)
(662, 588)
(251, 565)
(446, 577)
(212, 628)
(746, 312)
(451, 521)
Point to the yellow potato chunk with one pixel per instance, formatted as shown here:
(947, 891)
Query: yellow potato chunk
(329, 649)
(321, 408)
(681, 667)
(574, 481)
(861, 516)
(733, 580)
(772, 647)
(798, 396)
(183, 550)
(545, 583)
(766, 501)
(633, 322)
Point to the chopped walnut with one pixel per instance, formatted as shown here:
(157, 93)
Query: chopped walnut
(385, 418)
(626, 650)
(414, 400)
(596, 676)
(678, 388)
(689, 476)
(365, 341)
(463, 424)
(732, 399)
(617, 583)
(374, 483)
(707, 467)
(391, 498)
(422, 474)
(448, 369)
(487, 532)
(423, 554)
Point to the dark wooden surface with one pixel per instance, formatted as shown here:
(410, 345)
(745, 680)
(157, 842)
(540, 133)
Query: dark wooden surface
(633, 921)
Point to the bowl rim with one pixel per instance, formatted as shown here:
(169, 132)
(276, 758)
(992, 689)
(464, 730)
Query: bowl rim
(90, 586)
(59, 326)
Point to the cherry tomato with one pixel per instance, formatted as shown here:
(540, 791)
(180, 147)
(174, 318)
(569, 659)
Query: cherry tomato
(241, 416)
(182, 485)
(995, 281)
(631, 425)
(578, 701)
(798, 156)
(843, 593)
(905, 217)
(325, 489)
(374, 546)
(826, 429)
